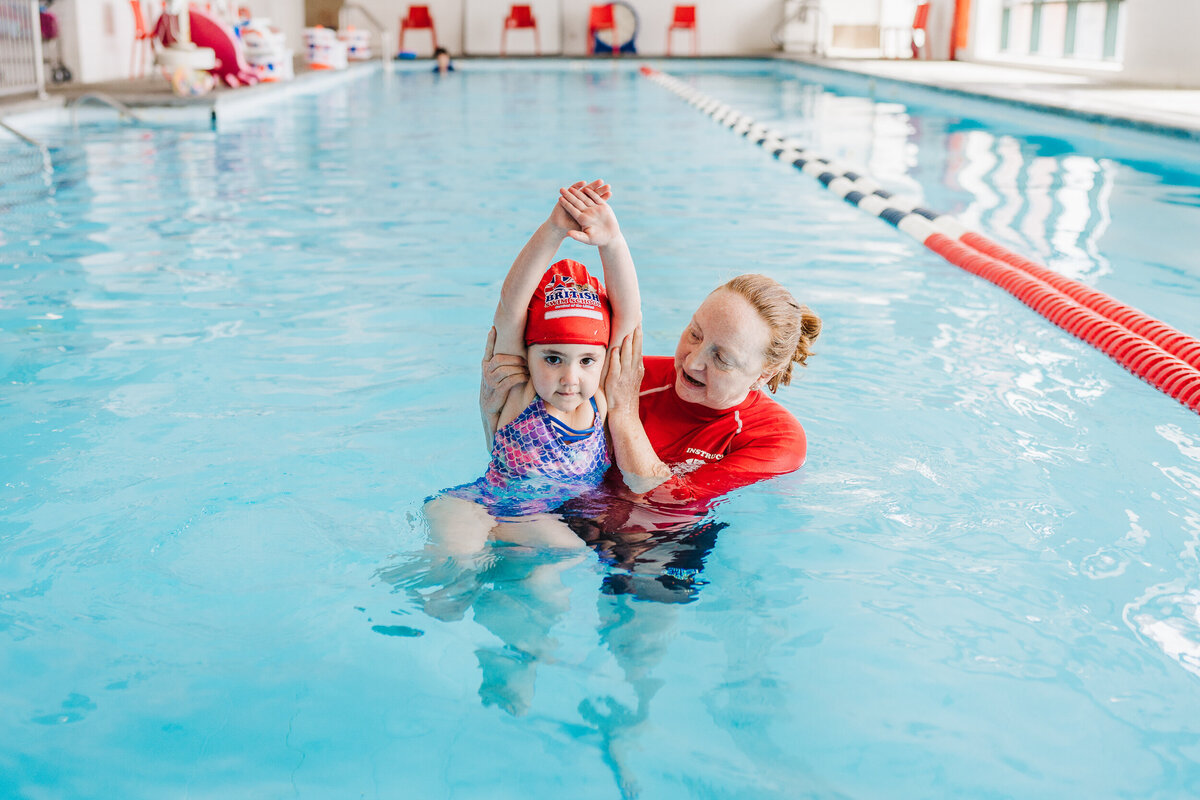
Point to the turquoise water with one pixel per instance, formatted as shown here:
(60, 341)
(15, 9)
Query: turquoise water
(235, 362)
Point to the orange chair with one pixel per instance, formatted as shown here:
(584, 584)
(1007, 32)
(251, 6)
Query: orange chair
(920, 23)
(601, 18)
(684, 20)
(520, 17)
(418, 18)
(143, 40)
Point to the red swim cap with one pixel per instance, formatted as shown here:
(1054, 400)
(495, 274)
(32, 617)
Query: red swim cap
(568, 307)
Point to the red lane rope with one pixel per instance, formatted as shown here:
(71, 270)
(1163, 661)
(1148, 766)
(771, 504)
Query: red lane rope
(1175, 342)
(1130, 348)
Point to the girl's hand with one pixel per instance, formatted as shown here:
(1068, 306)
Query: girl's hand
(559, 217)
(595, 222)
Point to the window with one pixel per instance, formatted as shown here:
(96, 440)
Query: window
(1062, 29)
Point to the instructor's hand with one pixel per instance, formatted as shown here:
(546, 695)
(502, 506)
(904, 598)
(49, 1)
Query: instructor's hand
(623, 381)
(501, 374)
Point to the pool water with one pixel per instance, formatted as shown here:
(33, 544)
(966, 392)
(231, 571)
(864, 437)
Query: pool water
(236, 362)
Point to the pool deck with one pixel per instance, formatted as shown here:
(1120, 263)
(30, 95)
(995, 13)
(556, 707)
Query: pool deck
(1099, 98)
(151, 97)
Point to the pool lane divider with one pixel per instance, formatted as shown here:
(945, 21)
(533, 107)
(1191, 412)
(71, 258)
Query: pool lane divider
(1149, 348)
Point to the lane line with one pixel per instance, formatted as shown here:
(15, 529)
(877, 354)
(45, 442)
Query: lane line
(1162, 356)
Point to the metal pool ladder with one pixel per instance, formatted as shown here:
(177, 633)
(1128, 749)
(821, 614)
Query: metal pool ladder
(103, 99)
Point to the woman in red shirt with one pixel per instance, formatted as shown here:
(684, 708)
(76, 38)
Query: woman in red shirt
(698, 425)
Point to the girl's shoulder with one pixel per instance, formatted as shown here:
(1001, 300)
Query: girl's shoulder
(516, 403)
(601, 406)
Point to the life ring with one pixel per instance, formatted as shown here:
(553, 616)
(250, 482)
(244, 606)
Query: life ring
(626, 20)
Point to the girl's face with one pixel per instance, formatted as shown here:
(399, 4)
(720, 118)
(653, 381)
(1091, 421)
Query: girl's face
(720, 356)
(565, 375)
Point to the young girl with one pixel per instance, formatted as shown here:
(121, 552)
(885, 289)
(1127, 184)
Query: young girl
(549, 444)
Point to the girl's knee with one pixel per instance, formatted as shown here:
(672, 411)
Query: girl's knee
(457, 526)
(539, 531)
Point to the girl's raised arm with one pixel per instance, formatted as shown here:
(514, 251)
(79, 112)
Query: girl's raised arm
(598, 226)
(528, 268)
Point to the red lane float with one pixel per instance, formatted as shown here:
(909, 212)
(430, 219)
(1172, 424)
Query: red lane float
(1132, 349)
(1174, 342)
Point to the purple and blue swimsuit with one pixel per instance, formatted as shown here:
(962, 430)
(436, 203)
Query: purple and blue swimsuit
(538, 464)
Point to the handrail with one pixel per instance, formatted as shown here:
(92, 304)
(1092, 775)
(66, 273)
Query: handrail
(103, 99)
(800, 14)
(375, 23)
(20, 135)
(47, 161)
(370, 17)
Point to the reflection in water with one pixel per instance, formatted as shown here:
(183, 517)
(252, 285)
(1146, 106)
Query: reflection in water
(1043, 195)
(663, 566)
(637, 637)
(1110, 561)
(515, 593)
(519, 595)
(1055, 204)
(1168, 614)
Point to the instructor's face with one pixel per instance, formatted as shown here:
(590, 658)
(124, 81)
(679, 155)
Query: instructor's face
(720, 356)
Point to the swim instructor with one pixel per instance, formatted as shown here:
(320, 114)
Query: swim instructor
(690, 428)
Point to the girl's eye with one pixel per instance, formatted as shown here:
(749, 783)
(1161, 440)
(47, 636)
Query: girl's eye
(587, 362)
(554, 361)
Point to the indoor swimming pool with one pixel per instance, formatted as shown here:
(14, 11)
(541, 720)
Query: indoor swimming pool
(235, 362)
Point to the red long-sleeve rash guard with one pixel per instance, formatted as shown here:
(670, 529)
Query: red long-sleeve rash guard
(721, 450)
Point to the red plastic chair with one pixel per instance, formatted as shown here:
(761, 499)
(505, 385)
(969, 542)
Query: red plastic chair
(601, 18)
(684, 20)
(920, 23)
(418, 18)
(520, 17)
(142, 41)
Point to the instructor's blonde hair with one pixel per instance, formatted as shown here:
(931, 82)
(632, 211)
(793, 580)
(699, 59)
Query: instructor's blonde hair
(794, 327)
